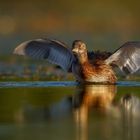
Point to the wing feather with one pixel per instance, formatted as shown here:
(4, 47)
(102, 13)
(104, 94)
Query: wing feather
(54, 51)
(127, 57)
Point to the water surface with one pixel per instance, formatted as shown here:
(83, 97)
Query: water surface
(65, 110)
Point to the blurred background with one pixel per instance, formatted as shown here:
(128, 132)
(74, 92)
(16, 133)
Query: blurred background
(103, 25)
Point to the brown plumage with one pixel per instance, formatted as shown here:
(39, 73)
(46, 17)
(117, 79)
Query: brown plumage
(98, 96)
(86, 66)
(93, 70)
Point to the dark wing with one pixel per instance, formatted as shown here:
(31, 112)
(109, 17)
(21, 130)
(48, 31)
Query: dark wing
(54, 51)
(127, 57)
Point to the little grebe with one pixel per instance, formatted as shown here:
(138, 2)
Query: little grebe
(86, 66)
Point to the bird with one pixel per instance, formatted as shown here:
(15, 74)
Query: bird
(87, 67)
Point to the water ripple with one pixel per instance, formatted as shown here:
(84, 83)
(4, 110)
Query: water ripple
(56, 84)
(38, 84)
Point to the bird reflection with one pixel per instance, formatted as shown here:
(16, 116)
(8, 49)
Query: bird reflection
(101, 99)
(122, 113)
(130, 111)
(130, 104)
(97, 97)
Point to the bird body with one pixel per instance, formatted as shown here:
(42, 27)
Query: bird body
(95, 71)
(86, 66)
(98, 74)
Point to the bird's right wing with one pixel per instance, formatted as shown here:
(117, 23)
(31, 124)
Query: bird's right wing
(54, 51)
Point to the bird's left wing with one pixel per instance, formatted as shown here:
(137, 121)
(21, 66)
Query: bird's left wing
(127, 57)
(54, 51)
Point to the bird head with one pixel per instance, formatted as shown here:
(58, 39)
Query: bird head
(78, 47)
(79, 50)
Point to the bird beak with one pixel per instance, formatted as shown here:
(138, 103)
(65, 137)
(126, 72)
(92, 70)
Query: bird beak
(75, 50)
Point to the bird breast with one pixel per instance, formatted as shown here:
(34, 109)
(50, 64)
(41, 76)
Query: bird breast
(98, 73)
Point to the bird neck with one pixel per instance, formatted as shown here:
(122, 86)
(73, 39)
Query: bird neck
(83, 57)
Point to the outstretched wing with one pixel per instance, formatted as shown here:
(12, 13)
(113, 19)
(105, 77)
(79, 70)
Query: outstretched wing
(127, 57)
(54, 51)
